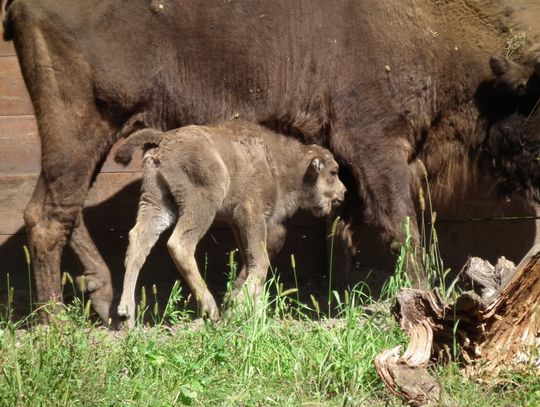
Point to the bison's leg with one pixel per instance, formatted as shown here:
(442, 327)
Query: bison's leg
(46, 276)
(74, 136)
(384, 179)
(189, 230)
(252, 227)
(154, 216)
(97, 277)
(242, 275)
(274, 242)
(54, 210)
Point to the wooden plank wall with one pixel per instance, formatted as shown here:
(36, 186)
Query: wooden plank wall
(110, 212)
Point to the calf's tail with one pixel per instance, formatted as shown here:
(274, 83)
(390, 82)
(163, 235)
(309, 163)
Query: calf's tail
(143, 139)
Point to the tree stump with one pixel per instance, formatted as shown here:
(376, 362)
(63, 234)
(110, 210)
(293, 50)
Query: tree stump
(496, 325)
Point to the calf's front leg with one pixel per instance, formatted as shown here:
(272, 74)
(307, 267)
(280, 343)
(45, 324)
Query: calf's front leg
(253, 235)
(275, 237)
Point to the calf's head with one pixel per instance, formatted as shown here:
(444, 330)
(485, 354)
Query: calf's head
(322, 189)
(512, 144)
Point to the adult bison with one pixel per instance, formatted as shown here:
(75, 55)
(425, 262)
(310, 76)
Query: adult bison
(383, 84)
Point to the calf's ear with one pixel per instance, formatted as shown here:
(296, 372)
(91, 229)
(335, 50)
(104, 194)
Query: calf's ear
(317, 164)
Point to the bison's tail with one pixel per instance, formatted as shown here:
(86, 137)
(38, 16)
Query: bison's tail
(143, 139)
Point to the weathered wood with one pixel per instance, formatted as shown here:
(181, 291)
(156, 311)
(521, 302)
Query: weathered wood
(499, 330)
(513, 318)
(407, 376)
(20, 152)
(14, 99)
(15, 192)
(412, 383)
(486, 279)
(6, 48)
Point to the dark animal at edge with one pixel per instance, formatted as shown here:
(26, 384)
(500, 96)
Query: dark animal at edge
(236, 171)
(382, 84)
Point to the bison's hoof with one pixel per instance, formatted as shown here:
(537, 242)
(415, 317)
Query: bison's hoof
(126, 317)
(86, 284)
(102, 308)
(212, 314)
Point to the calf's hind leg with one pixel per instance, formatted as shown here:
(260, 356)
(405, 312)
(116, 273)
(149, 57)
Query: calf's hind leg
(189, 230)
(153, 218)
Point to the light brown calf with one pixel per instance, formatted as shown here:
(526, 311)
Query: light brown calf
(235, 171)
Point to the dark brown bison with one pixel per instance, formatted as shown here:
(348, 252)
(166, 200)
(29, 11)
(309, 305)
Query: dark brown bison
(382, 84)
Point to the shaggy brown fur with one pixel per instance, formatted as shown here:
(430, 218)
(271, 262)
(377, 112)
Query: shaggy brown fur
(238, 172)
(512, 144)
(381, 83)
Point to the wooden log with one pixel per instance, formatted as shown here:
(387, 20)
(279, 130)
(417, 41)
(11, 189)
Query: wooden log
(412, 383)
(486, 279)
(512, 319)
(486, 333)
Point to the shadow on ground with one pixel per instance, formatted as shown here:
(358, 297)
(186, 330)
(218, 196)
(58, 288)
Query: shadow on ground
(110, 222)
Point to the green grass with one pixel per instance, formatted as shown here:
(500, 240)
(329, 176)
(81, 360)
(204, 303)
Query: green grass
(260, 357)
(253, 357)
(278, 353)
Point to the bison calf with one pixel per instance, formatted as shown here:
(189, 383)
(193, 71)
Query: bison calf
(235, 171)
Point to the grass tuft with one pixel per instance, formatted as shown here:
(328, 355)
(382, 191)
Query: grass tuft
(275, 352)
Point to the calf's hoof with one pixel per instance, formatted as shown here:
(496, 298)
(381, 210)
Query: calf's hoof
(209, 308)
(127, 319)
(212, 314)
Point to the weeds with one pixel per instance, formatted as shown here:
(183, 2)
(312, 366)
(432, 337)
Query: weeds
(269, 353)
(516, 41)
(331, 262)
(430, 258)
(272, 354)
